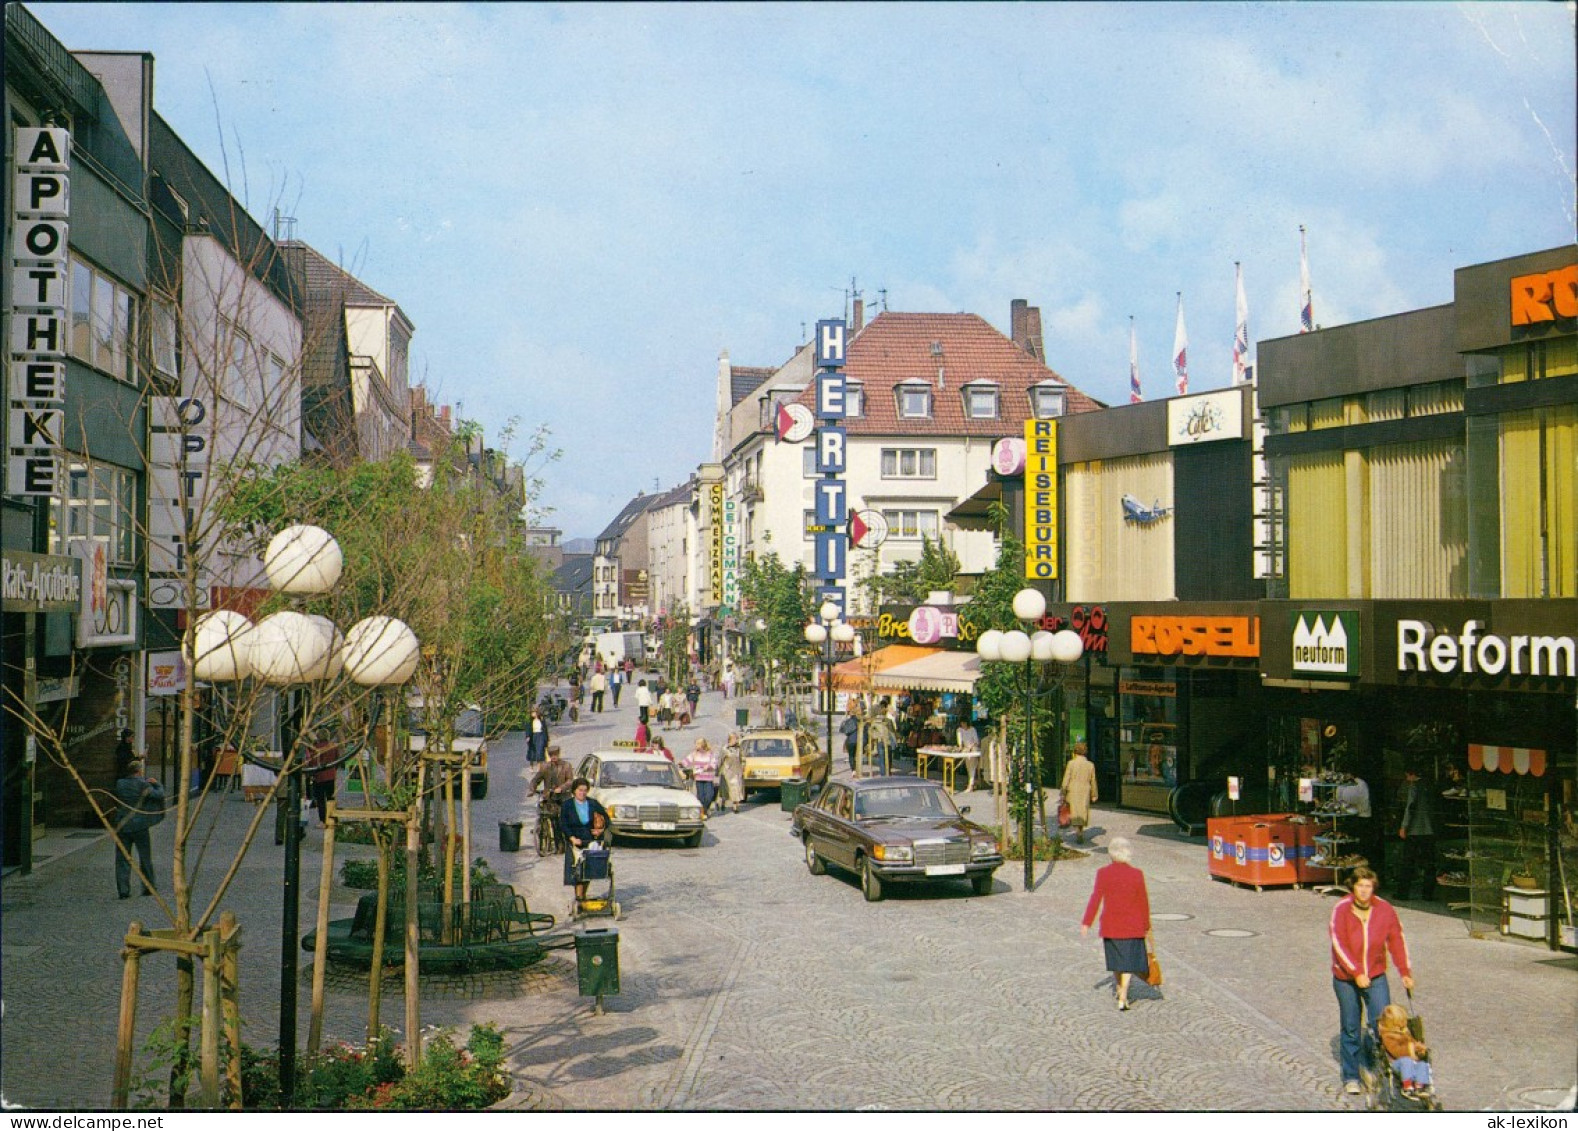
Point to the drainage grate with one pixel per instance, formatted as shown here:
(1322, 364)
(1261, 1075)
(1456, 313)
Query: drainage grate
(1171, 917)
(1232, 933)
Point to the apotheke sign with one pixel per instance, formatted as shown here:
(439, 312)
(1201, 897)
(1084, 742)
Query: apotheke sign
(40, 583)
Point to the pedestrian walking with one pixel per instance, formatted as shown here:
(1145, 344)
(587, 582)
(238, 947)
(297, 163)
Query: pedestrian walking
(643, 735)
(702, 762)
(659, 747)
(693, 696)
(731, 774)
(584, 821)
(139, 807)
(553, 780)
(969, 740)
(599, 687)
(1125, 909)
(323, 766)
(643, 702)
(850, 729)
(537, 740)
(616, 682)
(1364, 927)
(1417, 831)
(124, 754)
(1078, 792)
(728, 682)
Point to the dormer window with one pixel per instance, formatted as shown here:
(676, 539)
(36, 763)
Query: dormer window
(980, 401)
(914, 400)
(854, 399)
(1048, 400)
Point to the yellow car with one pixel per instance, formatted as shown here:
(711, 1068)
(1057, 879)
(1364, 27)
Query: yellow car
(767, 757)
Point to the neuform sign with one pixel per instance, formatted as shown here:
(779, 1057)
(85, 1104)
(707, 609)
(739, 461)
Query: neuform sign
(1420, 648)
(1325, 644)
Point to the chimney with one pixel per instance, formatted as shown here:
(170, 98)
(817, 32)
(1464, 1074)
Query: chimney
(1016, 321)
(1034, 342)
(859, 316)
(443, 416)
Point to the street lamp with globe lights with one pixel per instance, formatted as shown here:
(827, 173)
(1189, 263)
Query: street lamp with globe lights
(1028, 649)
(829, 632)
(290, 650)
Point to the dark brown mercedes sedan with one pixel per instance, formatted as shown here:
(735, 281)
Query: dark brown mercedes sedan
(899, 829)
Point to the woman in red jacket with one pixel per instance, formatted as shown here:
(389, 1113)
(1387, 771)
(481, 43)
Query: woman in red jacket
(1363, 928)
(1125, 916)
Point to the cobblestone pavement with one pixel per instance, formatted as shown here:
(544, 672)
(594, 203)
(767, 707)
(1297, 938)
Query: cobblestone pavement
(748, 983)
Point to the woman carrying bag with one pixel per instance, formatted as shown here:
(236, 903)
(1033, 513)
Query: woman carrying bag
(1125, 920)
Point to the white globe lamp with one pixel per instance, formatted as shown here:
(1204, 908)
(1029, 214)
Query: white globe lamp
(1015, 647)
(381, 651)
(303, 559)
(843, 632)
(288, 647)
(1067, 646)
(989, 645)
(217, 646)
(1030, 604)
(1041, 646)
(815, 633)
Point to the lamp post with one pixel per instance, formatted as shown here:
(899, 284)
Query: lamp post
(1028, 650)
(291, 650)
(830, 631)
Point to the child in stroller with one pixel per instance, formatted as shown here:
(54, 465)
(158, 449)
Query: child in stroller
(1407, 1056)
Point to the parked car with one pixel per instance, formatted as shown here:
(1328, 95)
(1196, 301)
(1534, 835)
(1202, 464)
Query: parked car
(767, 757)
(645, 795)
(471, 736)
(894, 829)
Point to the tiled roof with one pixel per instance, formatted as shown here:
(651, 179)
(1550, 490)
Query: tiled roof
(324, 277)
(745, 380)
(673, 497)
(897, 349)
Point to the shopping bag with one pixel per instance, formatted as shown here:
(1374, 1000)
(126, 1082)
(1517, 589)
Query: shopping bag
(1153, 974)
(1064, 814)
(1416, 1023)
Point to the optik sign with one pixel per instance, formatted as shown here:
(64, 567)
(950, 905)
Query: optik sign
(832, 504)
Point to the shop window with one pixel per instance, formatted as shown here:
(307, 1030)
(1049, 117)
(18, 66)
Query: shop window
(1149, 739)
(1435, 398)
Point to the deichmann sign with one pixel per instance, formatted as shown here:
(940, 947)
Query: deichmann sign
(1420, 648)
(731, 556)
(1041, 500)
(1194, 636)
(35, 367)
(1326, 644)
(39, 583)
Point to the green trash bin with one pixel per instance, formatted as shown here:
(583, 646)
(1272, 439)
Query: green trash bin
(742, 717)
(792, 794)
(597, 961)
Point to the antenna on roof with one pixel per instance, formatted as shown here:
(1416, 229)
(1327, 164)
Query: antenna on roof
(882, 292)
(284, 226)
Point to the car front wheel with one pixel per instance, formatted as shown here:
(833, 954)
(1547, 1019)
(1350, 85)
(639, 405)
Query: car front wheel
(870, 882)
(813, 862)
(982, 885)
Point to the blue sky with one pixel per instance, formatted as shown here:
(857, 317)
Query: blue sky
(579, 207)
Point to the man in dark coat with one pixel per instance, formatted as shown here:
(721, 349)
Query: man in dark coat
(139, 806)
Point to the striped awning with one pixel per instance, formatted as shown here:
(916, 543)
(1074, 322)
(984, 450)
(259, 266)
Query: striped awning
(1506, 760)
(941, 671)
(860, 673)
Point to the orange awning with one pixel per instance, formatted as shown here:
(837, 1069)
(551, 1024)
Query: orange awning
(855, 675)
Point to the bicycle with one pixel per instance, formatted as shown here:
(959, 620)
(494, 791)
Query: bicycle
(549, 841)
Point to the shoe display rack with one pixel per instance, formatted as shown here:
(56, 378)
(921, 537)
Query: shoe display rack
(1453, 848)
(1506, 854)
(1334, 847)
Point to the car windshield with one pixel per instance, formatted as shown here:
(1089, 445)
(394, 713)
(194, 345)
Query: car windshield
(930, 802)
(640, 773)
(769, 748)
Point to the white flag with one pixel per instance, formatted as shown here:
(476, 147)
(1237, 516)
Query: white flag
(1241, 332)
(1181, 351)
(1134, 366)
(1306, 296)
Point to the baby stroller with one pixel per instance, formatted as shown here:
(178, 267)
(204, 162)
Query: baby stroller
(1383, 1087)
(592, 866)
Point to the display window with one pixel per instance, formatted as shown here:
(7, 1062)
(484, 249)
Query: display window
(1149, 741)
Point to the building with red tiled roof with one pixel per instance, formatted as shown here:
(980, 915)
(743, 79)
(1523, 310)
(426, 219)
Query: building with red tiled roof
(929, 395)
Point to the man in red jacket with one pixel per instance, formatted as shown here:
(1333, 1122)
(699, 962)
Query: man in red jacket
(1363, 928)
